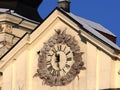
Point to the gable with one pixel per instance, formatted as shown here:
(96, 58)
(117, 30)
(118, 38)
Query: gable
(79, 27)
(57, 20)
(98, 58)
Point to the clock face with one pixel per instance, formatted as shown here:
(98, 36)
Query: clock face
(59, 60)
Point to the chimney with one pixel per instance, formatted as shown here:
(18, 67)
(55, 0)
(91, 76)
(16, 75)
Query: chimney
(64, 4)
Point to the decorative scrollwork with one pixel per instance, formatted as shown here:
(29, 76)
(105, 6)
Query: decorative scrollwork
(1, 28)
(6, 28)
(60, 38)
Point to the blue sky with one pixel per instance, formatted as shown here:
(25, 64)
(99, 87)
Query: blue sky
(104, 12)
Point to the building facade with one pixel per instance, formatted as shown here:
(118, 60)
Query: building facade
(64, 52)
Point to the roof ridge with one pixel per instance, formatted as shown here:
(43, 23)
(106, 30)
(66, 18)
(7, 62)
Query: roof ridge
(95, 25)
(92, 30)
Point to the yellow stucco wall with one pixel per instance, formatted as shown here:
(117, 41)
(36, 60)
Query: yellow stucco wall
(101, 70)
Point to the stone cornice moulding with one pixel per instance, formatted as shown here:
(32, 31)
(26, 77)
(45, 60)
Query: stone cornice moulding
(18, 21)
(11, 55)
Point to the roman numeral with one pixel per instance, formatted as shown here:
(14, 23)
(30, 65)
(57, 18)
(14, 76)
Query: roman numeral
(64, 49)
(55, 73)
(54, 50)
(67, 66)
(68, 53)
(64, 70)
(69, 59)
(48, 62)
(58, 73)
(59, 47)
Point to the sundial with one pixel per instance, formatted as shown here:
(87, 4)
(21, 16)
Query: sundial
(26, 8)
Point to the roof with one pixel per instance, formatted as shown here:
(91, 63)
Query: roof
(95, 25)
(3, 10)
(23, 7)
(92, 24)
(12, 12)
(91, 27)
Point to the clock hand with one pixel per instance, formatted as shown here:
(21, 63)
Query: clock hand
(58, 66)
(57, 56)
(57, 60)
